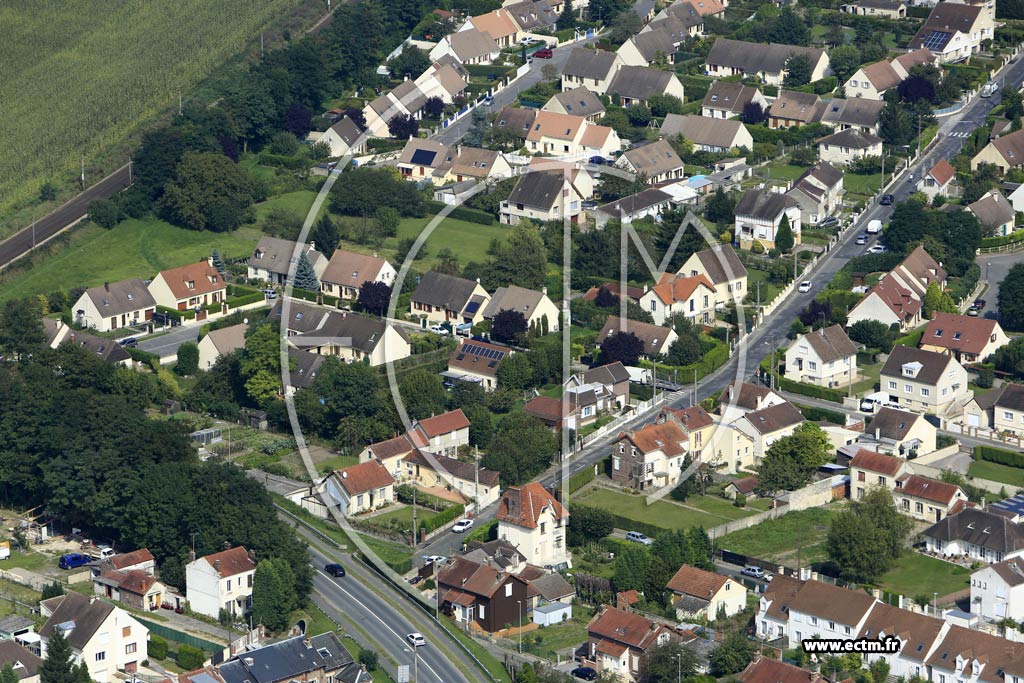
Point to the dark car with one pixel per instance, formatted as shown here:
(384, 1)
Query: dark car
(544, 53)
(73, 561)
(585, 673)
(130, 342)
(598, 160)
(335, 570)
(979, 304)
(887, 199)
(416, 578)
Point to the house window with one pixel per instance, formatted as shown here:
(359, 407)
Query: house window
(229, 585)
(811, 365)
(1007, 415)
(892, 385)
(924, 392)
(130, 648)
(832, 626)
(508, 590)
(615, 463)
(359, 500)
(881, 480)
(860, 476)
(918, 508)
(101, 656)
(250, 581)
(908, 389)
(814, 621)
(542, 528)
(126, 632)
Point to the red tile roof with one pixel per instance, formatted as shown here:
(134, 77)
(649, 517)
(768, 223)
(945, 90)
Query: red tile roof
(364, 477)
(929, 489)
(444, 423)
(133, 558)
(546, 408)
(672, 287)
(746, 484)
(876, 462)
(233, 561)
(696, 582)
(900, 301)
(766, 670)
(942, 172)
(693, 418)
(523, 505)
(624, 628)
(135, 581)
(204, 278)
(959, 332)
(667, 437)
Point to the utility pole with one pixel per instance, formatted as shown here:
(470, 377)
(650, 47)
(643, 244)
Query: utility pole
(415, 536)
(33, 234)
(83, 173)
(476, 481)
(261, 46)
(180, 103)
(129, 170)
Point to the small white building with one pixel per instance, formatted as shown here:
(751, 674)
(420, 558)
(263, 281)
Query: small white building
(552, 613)
(219, 343)
(700, 593)
(222, 581)
(360, 488)
(535, 522)
(114, 305)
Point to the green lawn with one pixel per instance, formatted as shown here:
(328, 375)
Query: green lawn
(135, 248)
(916, 574)
(781, 170)
(662, 513)
(468, 240)
(768, 290)
(1012, 476)
(31, 561)
(862, 184)
(403, 516)
(868, 385)
(338, 462)
(777, 539)
(298, 203)
(548, 641)
(394, 555)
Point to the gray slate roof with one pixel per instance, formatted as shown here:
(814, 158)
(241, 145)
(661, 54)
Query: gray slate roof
(653, 336)
(756, 57)
(613, 373)
(532, 15)
(892, 423)
(933, 364)
(514, 298)
(856, 111)
(125, 296)
(979, 527)
(86, 613)
(650, 43)
(347, 130)
(13, 653)
(831, 343)
(637, 202)
(596, 64)
(446, 291)
(539, 189)
(277, 255)
(107, 349)
(303, 367)
(1012, 397)
(364, 332)
(654, 159)
(640, 82)
(763, 205)
(992, 210)
(580, 102)
(701, 130)
(515, 119)
(291, 659)
(729, 96)
(851, 138)
(715, 261)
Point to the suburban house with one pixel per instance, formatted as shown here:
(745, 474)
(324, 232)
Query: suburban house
(188, 287)
(617, 641)
(537, 309)
(927, 500)
(498, 24)
(441, 298)
(927, 381)
(420, 159)
(405, 99)
(359, 488)
(114, 305)
(350, 336)
(1004, 152)
(542, 196)
(977, 535)
(721, 265)
(140, 559)
(442, 434)
(709, 8)
(657, 339)
(939, 180)
(872, 81)
(764, 62)
(890, 303)
(968, 339)
(24, 662)
(818, 191)
(58, 334)
(219, 343)
(445, 79)
(463, 163)
(650, 457)
(656, 162)
(563, 134)
(137, 589)
(897, 432)
(476, 361)
(825, 357)
(954, 31)
(638, 84)
(792, 108)
(744, 486)
(347, 271)
(694, 420)
(474, 593)
(746, 398)
(592, 69)
(649, 203)
(576, 102)
(794, 609)
(768, 670)
(994, 213)
(533, 15)
(997, 591)
(692, 297)
(649, 48)
(303, 367)
(221, 582)
(707, 134)
(849, 144)
(344, 137)
(981, 655)
(1008, 411)
(759, 214)
(768, 425)
(890, 9)
(439, 471)
(273, 259)
(391, 453)
(534, 521)
(856, 112)
(305, 657)
(468, 47)
(703, 594)
(726, 100)
(631, 292)
(105, 638)
(582, 402)
(869, 469)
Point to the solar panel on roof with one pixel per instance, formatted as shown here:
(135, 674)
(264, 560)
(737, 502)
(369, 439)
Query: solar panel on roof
(1014, 504)
(935, 40)
(423, 157)
(472, 307)
(203, 678)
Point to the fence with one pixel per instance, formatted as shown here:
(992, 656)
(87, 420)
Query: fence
(995, 437)
(747, 522)
(180, 637)
(936, 473)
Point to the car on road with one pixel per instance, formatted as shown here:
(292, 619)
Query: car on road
(874, 227)
(334, 569)
(73, 561)
(980, 304)
(638, 537)
(488, 101)
(804, 287)
(416, 639)
(753, 571)
(585, 673)
(597, 160)
(130, 342)
(876, 249)
(862, 239)
(439, 329)
(973, 312)
(828, 222)
(462, 525)
(867, 405)
(544, 53)
(434, 559)
(887, 200)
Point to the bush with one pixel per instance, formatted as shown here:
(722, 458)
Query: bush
(369, 659)
(999, 456)
(462, 213)
(157, 647)
(442, 518)
(811, 390)
(280, 161)
(822, 414)
(190, 658)
(990, 242)
(741, 500)
(580, 479)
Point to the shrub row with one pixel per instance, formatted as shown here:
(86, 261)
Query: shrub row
(811, 390)
(462, 213)
(442, 518)
(244, 299)
(176, 314)
(709, 362)
(580, 479)
(999, 456)
(818, 414)
(1012, 238)
(150, 359)
(280, 161)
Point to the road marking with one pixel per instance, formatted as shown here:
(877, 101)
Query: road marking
(353, 598)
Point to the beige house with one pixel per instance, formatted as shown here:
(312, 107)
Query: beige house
(648, 48)
(759, 214)
(467, 47)
(617, 641)
(498, 24)
(854, 112)
(708, 134)
(347, 271)
(543, 196)
(188, 287)
(897, 432)
(1004, 152)
(221, 582)
(768, 425)
(869, 469)
(729, 446)
(726, 100)
(818, 192)
(421, 159)
(723, 268)
(562, 134)
(656, 162)
(890, 303)
(470, 480)
(219, 343)
(136, 588)
(650, 457)
(703, 594)
(442, 434)
(344, 137)
(966, 338)
(765, 62)
(824, 357)
(657, 339)
(927, 500)
(843, 147)
(576, 102)
(443, 298)
(793, 108)
(638, 84)
(538, 310)
(534, 521)
(24, 662)
(477, 362)
(924, 381)
(871, 81)
(359, 488)
(994, 213)
(1008, 412)
(114, 305)
(349, 336)
(471, 163)
(890, 9)
(273, 260)
(692, 297)
(939, 180)
(954, 31)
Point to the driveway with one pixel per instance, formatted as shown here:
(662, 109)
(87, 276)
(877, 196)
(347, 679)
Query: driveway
(166, 345)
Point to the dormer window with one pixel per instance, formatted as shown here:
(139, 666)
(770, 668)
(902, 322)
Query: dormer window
(956, 335)
(191, 284)
(911, 369)
(131, 297)
(938, 333)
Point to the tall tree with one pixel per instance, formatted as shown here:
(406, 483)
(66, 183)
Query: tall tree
(895, 124)
(403, 126)
(520, 260)
(7, 674)
(508, 326)
(261, 363)
(790, 29)
(57, 667)
(188, 360)
(799, 71)
(625, 347)
(325, 235)
(21, 327)
(667, 663)
(865, 540)
(1011, 298)
(305, 276)
(631, 566)
(374, 297)
(784, 240)
(270, 596)
(218, 262)
(210, 192)
(567, 19)
(791, 460)
(423, 393)
(721, 207)
(733, 655)
(844, 60)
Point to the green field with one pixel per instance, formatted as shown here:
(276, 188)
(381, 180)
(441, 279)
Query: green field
(862, 184)
(777, 539)
(469, 241)
(134, 248)
(1012, 476)
(705, 511)
(916, 575)
(78, 79)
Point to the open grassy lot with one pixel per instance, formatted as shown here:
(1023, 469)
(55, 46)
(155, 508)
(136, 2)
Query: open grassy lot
(768, 290)
(916, 574)
(706, 511)
(866, 185)
(777, 539)
(79, 78)
(1012, 476)
(469, 241)
(134, 248)
(782, 170)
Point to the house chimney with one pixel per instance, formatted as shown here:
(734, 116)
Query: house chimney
(92, 599)
(106, 286)
(544, 290)
(730, 393)
(478, 280)
(308, 643)
(252, 556)
(458, 150)
(191, 556)
(878, 434)
(216, 566)
(312, 245)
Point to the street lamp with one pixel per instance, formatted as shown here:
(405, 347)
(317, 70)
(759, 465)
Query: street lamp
(415, 663)
(679, 668)
(520, 602)
(935, 602)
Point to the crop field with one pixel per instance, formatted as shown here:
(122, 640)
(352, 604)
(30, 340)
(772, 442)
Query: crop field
(77, 77)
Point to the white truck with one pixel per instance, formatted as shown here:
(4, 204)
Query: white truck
(874, 227)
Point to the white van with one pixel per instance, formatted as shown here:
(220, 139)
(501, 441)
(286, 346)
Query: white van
(874, 227)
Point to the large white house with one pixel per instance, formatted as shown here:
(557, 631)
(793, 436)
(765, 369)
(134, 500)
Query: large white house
(997, 591)
(692, 297)
(924, 381)
(759, 215)
(114, 305)
(825, 357)
(723, 268)
(221, 582)
(532, 519)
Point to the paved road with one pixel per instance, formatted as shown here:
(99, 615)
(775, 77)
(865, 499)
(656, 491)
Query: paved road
(167, 344)
(994, 268)
(60, 218)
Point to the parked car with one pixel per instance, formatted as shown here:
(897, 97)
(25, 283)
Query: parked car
(638, 537)
(828, 222)
(416, 639)
(862, 239)
(434, 559)
(596, 160)
(129, 342)
(416, 578)
(980, 304)
(334, 569)
(439, 329)
(462, 525)
(585, 673)
(874, 227)
(753, 571)
(73, 561)
(804, 287)
(270, 293)
(544, 53)
(488, 101)
(867, 405)
(973, 312)
(876, 249)
(887, 200)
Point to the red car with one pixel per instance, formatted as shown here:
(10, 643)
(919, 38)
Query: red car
(543, 53)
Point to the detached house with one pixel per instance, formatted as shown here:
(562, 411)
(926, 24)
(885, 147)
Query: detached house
(977, 535)
(576, 102)
(114, 305)
(726, 100)
(723, 268)
(648, 48)
(463, 163)
(657, 339)
(477, 362)
(307, 657)
(405, 99)
(924, 380)
(656, 162)
(818, 191)
(1004, 152)
(811, 609)
(592, 69)
(765, 62)
(869, 469)
(759, 214)
(542, 196)
(219, 343)
(741, 398)
(359, 488)
(955, 31)
(24, 662)
(703, 594)
(997, 591)
(768, 425)
(707, 134)
(442, 434)
(890, 9)
(536, 308)
(650, 457)
(692, 297)
(857, 113)
(927, 500)
(939, 180)
(562, 134)
(890, 303)
(847, 145)
(349, 336)
(344, 137)
(898, 432)
(968, 339)
(221, 582)
(498, 24)
(474, 593)
(994, 213)
(768, 670)
(638, 84)
(469, 46)
(534, 521)
(617, 641)
(825, 357)
(273, 259)
(420, 159)
(443, 298)
(347, 271)
(136, 588)
(1008, 410)
(467, 479)
(188, 287)
(792, 108)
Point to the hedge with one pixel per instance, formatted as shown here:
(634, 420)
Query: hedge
(150, 359)
(1012, 238)
(580, 479)
(822, 414)
(709, 362)
(215, 307)
(811, 390)
(999, 456)
(462, 213)
(627, 524)
(442, 518)
(176, 314)
(156, 648)
(963, 287)
(189, 657)
(236, 301)
(292, 163)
